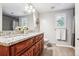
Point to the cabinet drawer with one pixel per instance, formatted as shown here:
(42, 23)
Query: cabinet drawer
(36, 39)
(41, 36)
(19, 47)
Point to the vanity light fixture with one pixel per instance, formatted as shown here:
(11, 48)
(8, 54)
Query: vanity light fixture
(29, 8)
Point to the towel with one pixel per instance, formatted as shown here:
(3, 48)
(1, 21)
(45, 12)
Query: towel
(58, 36)
(61, 34)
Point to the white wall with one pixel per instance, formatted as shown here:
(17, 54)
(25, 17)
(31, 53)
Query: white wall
(77, 29)
(0, 17)
(47, 25)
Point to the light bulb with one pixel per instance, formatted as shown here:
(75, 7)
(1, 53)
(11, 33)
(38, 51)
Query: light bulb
(31, 7)
(33, 10)
(26, 7)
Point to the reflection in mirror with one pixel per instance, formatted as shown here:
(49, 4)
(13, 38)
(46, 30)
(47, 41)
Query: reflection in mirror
(9, 22)
(26, 19)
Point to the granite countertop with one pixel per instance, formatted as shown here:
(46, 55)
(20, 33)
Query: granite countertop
(10, 40)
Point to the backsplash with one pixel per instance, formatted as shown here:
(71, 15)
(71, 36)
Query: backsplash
(10, 33)
(3, 33)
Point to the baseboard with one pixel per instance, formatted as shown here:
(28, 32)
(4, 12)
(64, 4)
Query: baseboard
(65, 46)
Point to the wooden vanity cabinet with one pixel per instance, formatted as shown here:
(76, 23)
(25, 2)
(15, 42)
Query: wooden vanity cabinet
(29, 47)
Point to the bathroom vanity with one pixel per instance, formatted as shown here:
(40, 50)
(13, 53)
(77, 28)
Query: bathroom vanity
(31, 44)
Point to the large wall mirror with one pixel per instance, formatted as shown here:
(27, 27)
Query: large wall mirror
(19, 14)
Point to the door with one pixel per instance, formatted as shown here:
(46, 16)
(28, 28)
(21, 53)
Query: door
(77, 29)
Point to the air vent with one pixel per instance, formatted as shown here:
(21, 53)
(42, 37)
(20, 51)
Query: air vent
(52, 7)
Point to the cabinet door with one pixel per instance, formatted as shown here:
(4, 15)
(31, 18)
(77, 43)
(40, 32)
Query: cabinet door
(4, 51)
(21, 47)
(37, 49)
(29, 52)
(41, 46)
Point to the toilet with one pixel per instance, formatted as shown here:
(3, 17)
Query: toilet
(45, 41)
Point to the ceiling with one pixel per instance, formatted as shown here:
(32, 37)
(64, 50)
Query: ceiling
(14, 9)
(18, 9)
(48, 7)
